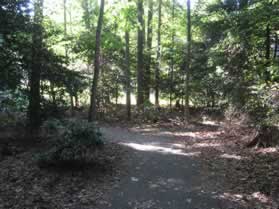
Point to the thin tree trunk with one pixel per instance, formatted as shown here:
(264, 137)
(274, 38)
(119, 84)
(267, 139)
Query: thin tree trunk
(149, 48)
(66, 50)
(188, 63)
(76, 101)
(53, 95)
(65, 26)
(86, 17)
(140, 63)
(93, 100)
(34, 109)
(275, 46)
(70, 19)
(128, 75)
(72, 105)
(267, 53)
(116, 93)
(157, 71)
(172, 54)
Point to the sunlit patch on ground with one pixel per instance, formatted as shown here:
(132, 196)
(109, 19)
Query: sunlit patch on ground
(268, 150)
(260, 196)
(256, 196)
(196, 135)
(199, 145)
(206, 121)
(160, 149)
(231, 197)
(147, 129)
(178, 146)
(231, 156)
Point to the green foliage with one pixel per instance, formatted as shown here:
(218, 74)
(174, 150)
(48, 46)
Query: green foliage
(52, 126)
(151, 113)
(13, 105)
(76, 144)
(268, 109)
(15, 28)
(13, 101)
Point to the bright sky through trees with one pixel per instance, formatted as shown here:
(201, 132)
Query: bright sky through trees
(53, 6)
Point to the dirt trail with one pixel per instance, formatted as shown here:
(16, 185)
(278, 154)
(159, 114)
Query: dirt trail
(162, 172)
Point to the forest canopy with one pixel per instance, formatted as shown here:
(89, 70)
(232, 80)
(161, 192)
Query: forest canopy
(61, 55)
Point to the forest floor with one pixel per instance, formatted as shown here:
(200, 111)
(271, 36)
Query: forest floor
(158, 166)
(23, 184)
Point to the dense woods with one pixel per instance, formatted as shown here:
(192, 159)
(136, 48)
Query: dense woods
(69, 66)
(221, 54)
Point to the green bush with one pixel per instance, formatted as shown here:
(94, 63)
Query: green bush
(13, 105)
(76, 144)
(52, 126)
(13, 101)
(264, 107)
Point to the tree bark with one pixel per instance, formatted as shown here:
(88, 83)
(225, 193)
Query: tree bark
(76, 100)
(275, 46)
(140, 61)
(53, 94)
(149, 49)
(188, 63)
(65, 26)
(172, 54)
(128, 75)
(267, 54)
(93, 100)
(157, 71)
(72, 105)
(34, 109)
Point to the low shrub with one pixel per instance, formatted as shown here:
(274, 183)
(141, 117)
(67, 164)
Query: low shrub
(13, 105)
(76, 144)
(52, 126)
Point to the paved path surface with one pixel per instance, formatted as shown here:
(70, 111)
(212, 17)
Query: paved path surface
(161, 174)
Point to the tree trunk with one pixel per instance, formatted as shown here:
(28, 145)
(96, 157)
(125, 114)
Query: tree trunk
(34, 108)
(116, 93)
(128, 75)
(188, 63)
(140, 64)
(172, 54)
(157, 71)
(65, 26)
(275, 46)
(76, 101)
(72, 105)
(149, 49)
(93, 100)
(267, 54)
(53, 94)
